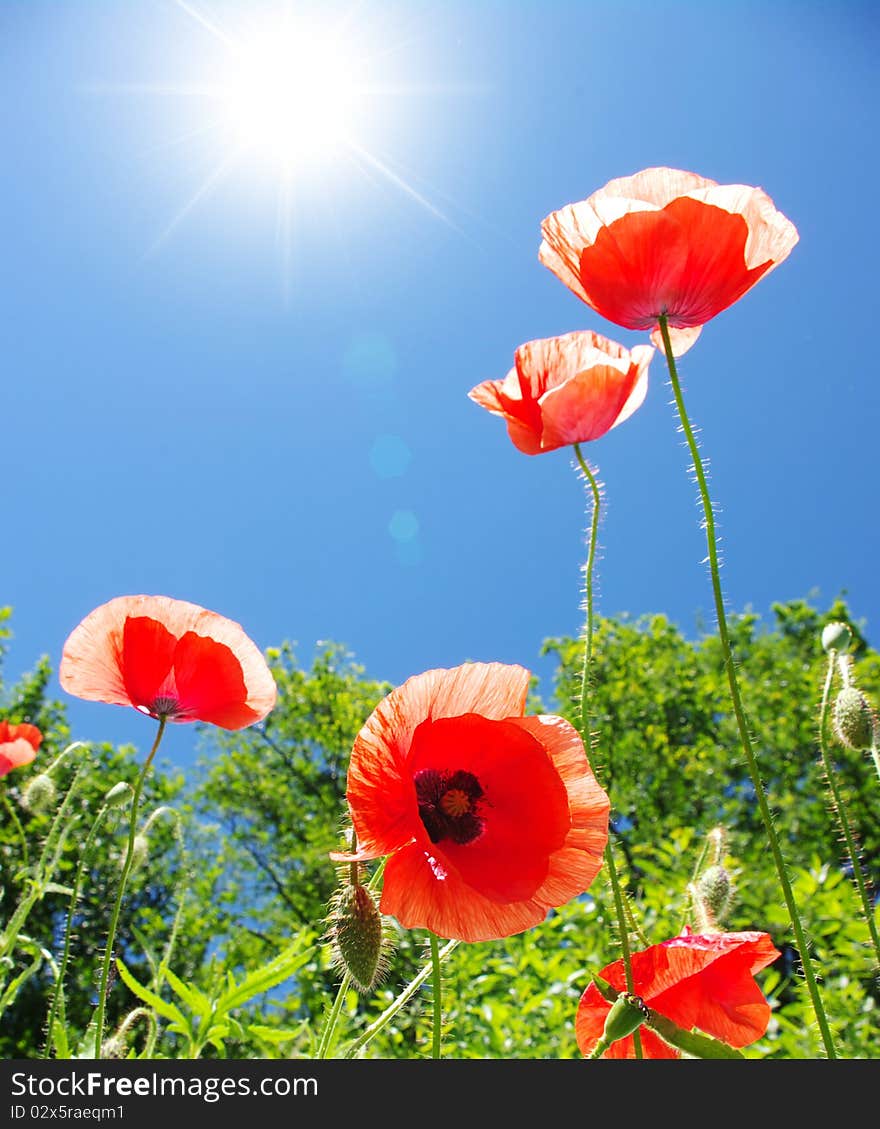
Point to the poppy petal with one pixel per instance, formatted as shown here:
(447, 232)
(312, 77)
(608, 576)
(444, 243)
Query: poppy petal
(680, 339)
(210, 682)
(523, 416)
(422, 893)
(139, 650)
(567, 389)
(657, 186)
(703, 981)
(380, 789)
(714, 989)
(15, 754)
(147, 661)
(525, 802)
(574, 867)
(665, 242)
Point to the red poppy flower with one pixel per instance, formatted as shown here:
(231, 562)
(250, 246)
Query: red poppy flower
(567, 389)
(170, 659)
(698, 981)
(666, 242)
(18, 745)
(490, 818)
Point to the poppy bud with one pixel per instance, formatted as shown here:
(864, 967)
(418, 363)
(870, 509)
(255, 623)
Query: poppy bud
(40, 794)
(118, 795)
(114, 1047)
(140, 852)
(357, 936)
(713, 897)
(627, 1014)
(836, 637)
(853, 719)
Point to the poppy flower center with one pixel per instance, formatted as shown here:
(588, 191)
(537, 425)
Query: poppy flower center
(448, 805)
(164, 706)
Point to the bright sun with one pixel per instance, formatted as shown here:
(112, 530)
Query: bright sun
(290, 93)
(290, 99)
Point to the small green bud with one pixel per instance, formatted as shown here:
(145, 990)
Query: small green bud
(357, 936)
(118, 795)
(140, 852)
(40, 794)
(713, 897)
(853, 719)
(836, 637)
(627, 1014)
(114, 1047)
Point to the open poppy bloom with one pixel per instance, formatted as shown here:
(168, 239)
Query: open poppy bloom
(703, 981)
(489, 818)
(567, 389)
(169, 659)
(18, 745)
(666, 242)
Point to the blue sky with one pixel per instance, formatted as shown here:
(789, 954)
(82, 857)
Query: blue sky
(258, 402)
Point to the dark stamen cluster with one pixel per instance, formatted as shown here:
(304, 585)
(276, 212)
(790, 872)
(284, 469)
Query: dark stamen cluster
(431, 787)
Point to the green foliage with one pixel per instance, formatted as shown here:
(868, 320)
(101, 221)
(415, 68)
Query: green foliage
(219, 951)
(210, 1018)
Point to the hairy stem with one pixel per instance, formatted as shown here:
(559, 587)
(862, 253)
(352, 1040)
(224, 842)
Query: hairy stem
(438, 996)
(736, 699)
(68, 929)
(19, 830)
(393, 1008)
(840, 811)
(587, 727)
(126, 869)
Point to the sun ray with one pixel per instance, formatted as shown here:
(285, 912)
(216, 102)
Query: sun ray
(288, 95)
(398, 181)
(207, 185)
(207, 24)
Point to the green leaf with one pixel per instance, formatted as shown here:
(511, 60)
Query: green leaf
(276, 1035)
(287, 962)
(195, 1000)
(167, 1010)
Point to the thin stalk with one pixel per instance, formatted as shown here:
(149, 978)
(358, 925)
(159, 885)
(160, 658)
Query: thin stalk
(736, 699)
(333, 1018)
(393, 1008)
(25, 854)
(126, 869)
(438, 996)
(841, 812)
(53, 848)
(586, 724)
(182, 890)
(68, 930)
(697, 868)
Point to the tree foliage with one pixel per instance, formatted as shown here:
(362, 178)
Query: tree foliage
(266, 805)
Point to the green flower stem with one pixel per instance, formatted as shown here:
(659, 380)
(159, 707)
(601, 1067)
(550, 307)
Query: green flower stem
(68, 929)
(438, 995)
(586, 723)
(841, 812)
(44, 869)
(13, 815)
(393, 1008)
(126, 869)
(736, 698)
(875, 749)
(333, 1018)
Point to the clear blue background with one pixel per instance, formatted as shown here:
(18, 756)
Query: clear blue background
(279, 429)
